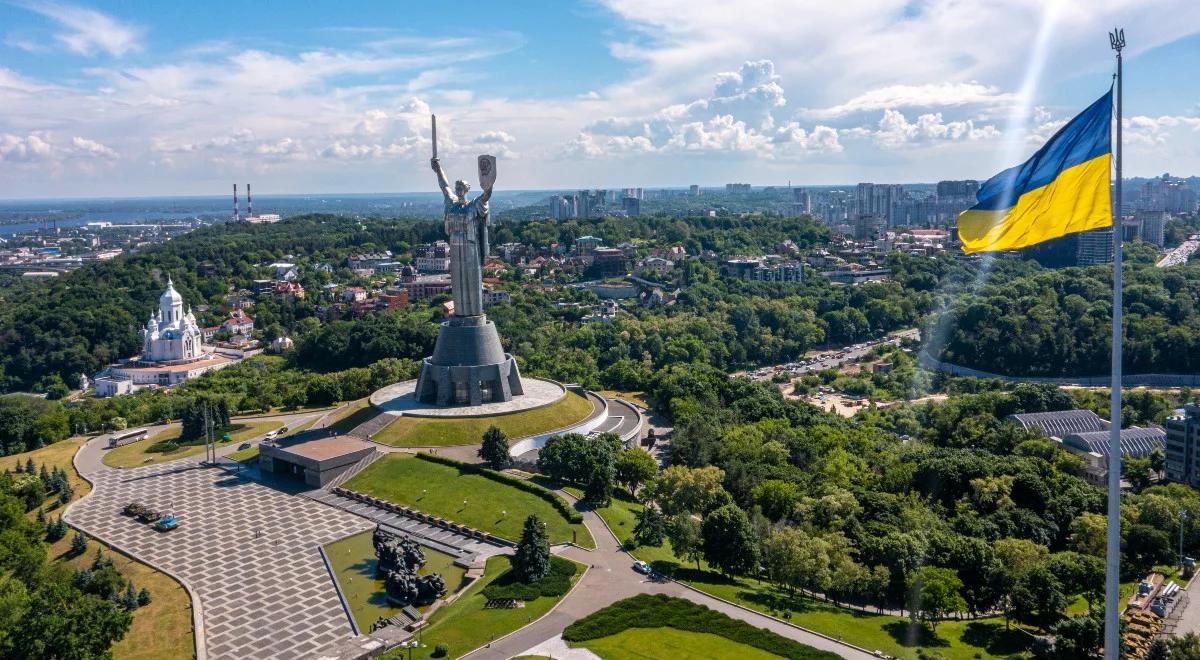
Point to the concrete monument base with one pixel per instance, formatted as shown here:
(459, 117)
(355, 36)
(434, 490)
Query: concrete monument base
(468, 366)
(400, 399)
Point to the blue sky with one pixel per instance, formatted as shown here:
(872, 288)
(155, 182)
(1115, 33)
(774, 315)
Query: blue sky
(117, 98)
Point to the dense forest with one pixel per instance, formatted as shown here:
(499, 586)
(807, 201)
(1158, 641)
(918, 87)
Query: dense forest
(1035, 322)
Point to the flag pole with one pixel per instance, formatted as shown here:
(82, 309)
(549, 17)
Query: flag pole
(1112, 586)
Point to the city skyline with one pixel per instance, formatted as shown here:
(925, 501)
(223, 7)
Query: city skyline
(105, 101)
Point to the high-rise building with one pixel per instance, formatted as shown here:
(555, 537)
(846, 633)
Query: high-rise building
(631, 205)
(694, 190)
(563, 207)
(737, 188)
(869, 226)
(801, 202)
(592, 204)
(1094, 247)
(877, 199)
(965, 189)
(1183, 445)
(1167, 193)
(1153, 226)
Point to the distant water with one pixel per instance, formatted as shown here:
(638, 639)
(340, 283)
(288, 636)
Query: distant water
(115, 217)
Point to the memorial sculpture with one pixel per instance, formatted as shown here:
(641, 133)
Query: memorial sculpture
(399, 560)
(468, 365)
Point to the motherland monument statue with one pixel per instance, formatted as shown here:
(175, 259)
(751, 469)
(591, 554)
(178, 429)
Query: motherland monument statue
(468, 365)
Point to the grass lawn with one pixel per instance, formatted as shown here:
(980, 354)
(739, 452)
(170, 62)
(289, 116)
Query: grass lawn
(636, 643)
(355, 413)
(640, 398)
(353, 560)
(148, 451)
(466, 624)
(442, 489)
(442, 432)
(955, 639)
(162, 629)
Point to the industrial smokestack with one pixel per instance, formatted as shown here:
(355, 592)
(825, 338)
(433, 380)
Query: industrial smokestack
(249, 203)
(236, 211)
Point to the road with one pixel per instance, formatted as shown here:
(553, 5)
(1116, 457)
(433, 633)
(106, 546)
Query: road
(611, 578)
(832, 358)
(1181, 254)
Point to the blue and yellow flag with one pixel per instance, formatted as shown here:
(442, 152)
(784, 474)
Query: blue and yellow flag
(1062, 189)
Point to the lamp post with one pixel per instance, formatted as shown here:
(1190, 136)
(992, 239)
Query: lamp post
(1182, 517)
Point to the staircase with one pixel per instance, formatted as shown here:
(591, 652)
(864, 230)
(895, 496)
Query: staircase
(372, 426)
(354, 469)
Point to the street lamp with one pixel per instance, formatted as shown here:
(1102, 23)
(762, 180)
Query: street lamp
(1182, 517)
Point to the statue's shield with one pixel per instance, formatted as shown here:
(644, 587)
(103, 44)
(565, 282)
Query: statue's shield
(487, 171)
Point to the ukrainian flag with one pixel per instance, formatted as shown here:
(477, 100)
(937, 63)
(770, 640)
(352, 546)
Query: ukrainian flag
(1062, 189)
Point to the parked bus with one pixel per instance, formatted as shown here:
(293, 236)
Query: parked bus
(125, 437)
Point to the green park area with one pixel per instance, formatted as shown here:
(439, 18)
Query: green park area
(465, 496)
(637, 643)
(444, 432)
(353, 561)
(169, 445)
(468, 623)
(660, 626)
(894, 635)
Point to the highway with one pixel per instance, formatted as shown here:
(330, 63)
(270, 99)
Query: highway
(830, 359)
(1181, 254)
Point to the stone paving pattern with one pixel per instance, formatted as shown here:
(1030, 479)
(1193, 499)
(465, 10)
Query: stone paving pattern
(249, 552)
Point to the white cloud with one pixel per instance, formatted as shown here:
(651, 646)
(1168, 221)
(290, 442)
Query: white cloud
(91, 148)
(931, 95)
(85, 31)
(896, 131)
(23, 149)
(1157, 131)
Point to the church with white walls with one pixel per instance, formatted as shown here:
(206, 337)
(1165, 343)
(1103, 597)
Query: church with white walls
(173, 351)
(171, 335)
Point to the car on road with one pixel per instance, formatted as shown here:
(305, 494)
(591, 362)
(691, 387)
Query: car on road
(642, 567)
(244, 445)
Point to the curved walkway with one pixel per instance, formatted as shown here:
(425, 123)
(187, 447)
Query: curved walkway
(249, 554)
(610, 579)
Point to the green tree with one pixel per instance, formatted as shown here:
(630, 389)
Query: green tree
(686, 538)
(1037, 597)
(1078, 637)
(531, 561)
(651, 527)
(635, 467)
(494, 449)
(938, 594)
(730, 542)
(680, 489)
(776, 498)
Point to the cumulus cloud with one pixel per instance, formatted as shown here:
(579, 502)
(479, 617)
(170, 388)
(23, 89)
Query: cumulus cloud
(23, 149)
(896, 131)
(43, 147)
(738, 117)
(85, 31)
(1157, 131)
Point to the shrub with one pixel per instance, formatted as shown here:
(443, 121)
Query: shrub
(659, 611)
(441, 651)
(559, 504)
(555, 583)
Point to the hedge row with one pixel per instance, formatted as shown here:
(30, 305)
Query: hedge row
(555, 583)
(561, 505)
(659, 611)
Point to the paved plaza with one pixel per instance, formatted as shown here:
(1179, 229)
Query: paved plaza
(249, 552)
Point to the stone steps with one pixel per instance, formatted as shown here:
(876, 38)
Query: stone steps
(426, 533)
(372, 426)
(354, 469)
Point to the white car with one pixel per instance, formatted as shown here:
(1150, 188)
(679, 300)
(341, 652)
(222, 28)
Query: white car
(642, 567)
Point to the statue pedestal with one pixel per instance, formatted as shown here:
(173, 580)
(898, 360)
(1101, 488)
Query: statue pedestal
(468, 366)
